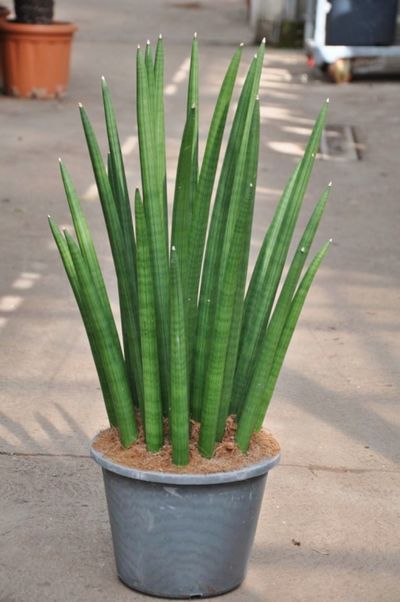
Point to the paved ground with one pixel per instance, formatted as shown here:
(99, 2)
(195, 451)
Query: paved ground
(335, 412)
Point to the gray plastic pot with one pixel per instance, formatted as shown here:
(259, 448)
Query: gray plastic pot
(183, 535)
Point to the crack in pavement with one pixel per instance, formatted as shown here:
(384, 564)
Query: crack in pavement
(311, 467)
(42, 455)
(338, 469)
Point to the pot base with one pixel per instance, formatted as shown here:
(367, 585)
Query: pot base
(201, 596)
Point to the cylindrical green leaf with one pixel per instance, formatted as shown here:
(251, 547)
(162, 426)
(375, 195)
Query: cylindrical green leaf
(159, 131)
(115, 233)
(215, 241)
(152, 405)
(258, 396)
(234, 336)
(154, 211)
(148, 59)
(74, 282)
(112, 359)
(182, 210)
(283, 305)
(117, 179)
(204, 190)
(83, 235)
(179, 410)
(269, 267)
(228, 307)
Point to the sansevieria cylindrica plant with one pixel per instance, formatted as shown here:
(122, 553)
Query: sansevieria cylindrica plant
(196, 345)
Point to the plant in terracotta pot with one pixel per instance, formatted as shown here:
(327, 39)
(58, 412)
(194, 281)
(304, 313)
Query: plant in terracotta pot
(34, 11)
(185, 458)
(35, 51)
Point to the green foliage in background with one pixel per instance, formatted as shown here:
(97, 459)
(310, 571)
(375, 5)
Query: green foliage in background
(195, 344)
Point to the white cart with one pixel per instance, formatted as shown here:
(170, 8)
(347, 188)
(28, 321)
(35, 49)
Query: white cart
(339, 60)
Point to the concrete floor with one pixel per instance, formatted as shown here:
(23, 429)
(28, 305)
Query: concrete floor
(335, 411)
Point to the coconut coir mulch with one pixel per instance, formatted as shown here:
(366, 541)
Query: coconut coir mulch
(227, 455)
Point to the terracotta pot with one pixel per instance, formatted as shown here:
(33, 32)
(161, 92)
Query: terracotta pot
(36, 58)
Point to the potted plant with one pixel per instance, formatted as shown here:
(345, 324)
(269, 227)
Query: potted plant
(35, 51)
(185, 458)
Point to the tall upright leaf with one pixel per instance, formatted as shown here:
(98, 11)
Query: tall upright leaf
(159, 130)
(261, 295)
(204, 190)
(83, 235)
(117, 243)
(154, 211)
(179, 410)
(206, 305)
(193, 101)
(228, 308)
(85, 314)
(148, 59)
(235, 328)
(112, 179)
(255, 297)
(283, 304)
(112, 359)
(152, 406)
(258, 395)
(119, 187)
(241, 163)
(215, 241)
(121, 194)
(183, 200)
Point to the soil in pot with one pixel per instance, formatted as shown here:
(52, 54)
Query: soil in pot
(227, 456)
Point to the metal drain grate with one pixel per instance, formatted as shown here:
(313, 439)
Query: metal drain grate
(339, 143)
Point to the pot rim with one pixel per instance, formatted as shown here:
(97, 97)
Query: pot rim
(56, 27)
(173, 478)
